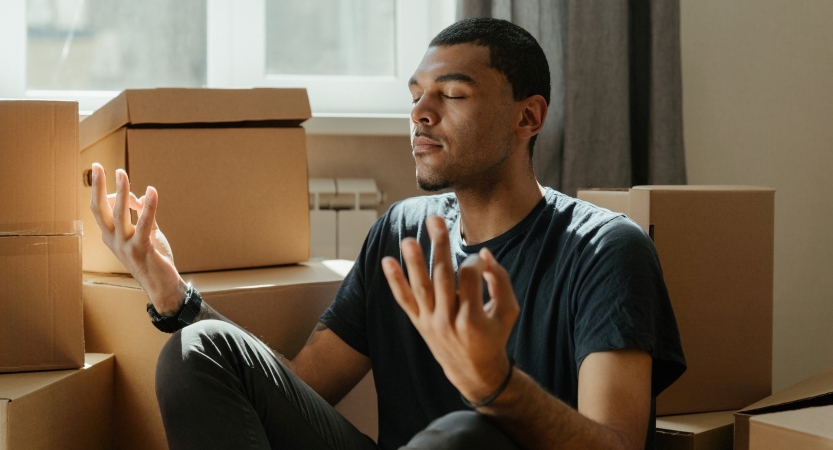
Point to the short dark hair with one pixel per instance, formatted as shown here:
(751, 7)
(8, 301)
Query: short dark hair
(512, 51)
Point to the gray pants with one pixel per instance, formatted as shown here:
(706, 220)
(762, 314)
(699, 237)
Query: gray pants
(220, 388)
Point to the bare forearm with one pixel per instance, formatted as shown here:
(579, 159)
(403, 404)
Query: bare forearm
(536, 419)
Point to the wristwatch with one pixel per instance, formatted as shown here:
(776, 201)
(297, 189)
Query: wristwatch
(184, 317)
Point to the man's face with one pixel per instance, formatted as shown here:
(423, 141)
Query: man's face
(462, 126)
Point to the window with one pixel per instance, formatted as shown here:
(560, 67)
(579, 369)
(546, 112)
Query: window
(353, 56)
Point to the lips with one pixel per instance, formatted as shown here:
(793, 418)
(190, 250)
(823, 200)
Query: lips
(422, 144)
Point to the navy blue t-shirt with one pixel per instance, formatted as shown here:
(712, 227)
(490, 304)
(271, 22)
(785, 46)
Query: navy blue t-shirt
(587, 280)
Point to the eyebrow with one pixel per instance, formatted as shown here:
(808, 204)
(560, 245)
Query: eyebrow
(447, 77)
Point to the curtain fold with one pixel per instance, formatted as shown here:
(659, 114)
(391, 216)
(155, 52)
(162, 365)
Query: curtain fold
(615, 117)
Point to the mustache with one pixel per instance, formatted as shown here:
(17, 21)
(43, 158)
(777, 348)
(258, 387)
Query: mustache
(419, 132)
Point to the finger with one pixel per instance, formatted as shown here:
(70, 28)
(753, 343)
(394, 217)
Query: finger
(504, 305)
(471, 287)
(121, 213)
(98, 202)
(134, 203)
(144, 226)
(400, 288)
(445, 294)
(418, 275)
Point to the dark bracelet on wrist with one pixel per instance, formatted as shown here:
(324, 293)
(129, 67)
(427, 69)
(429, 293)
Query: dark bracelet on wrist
(185, 316)
(495, 394)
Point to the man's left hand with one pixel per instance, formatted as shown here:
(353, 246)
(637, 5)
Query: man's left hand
(467, 337)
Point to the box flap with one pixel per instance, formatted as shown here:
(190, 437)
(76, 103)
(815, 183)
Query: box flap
(311, 272)
(14, 386)
(816, 389)
(190, 106)
(695, 423)
(817, 421)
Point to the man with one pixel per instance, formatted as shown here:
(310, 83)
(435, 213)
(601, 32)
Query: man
(568, 346)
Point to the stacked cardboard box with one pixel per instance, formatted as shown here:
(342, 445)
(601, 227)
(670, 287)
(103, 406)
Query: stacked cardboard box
(41, 317)
(715, 245)
(41, 324)
(705, 431)
(230, 168)
(66, 409)
(280, 305)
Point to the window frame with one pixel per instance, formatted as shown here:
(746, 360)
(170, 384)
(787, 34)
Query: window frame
(236, 57)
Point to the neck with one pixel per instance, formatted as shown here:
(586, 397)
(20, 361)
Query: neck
(493, 208)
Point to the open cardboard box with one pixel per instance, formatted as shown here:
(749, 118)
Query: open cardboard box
(230, 166)
(805, 429)
(715, 245)
(812, 392)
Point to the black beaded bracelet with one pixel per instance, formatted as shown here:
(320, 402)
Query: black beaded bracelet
(494, 395)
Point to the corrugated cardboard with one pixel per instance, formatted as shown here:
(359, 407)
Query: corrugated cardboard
(230, 166)
(812, 392)
(65, 409)
(41, 317)
(705, 431)
(38, 168)
(280, 305)
(715, 244)
(805, 429)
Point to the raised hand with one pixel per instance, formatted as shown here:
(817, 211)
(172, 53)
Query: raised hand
(142, 248)
(466, 337)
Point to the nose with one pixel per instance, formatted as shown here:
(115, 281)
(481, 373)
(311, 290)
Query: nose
(424, 112)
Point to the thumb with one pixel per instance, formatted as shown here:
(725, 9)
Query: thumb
(504, 304)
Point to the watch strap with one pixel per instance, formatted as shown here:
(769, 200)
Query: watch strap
(184, 317)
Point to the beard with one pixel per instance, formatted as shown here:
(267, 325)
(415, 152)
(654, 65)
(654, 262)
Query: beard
(432, 183)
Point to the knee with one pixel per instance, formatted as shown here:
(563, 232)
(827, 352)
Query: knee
(461, 430)
(182, 356)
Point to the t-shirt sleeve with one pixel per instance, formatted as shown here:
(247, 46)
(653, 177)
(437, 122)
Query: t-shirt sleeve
(622, 302)
(347, 315)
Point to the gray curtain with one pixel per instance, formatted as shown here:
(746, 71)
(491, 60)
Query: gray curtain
(615, 117)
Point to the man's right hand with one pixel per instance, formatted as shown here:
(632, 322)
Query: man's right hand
(142, 248)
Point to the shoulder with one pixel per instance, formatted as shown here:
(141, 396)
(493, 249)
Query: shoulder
(591, 226)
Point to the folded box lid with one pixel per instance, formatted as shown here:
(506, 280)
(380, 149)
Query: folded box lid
(165, 107)
(814, 391)
(307, 273)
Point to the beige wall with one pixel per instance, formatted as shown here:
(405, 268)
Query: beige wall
(387, 159)
(758, 109)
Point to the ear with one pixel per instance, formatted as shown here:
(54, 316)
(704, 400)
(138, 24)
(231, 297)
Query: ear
(533, 113)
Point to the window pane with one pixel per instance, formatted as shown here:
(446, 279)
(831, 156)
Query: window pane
(330, 37)
(115, 44)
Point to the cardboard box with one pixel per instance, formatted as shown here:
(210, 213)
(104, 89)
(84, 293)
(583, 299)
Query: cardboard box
(66, 409)
(280, 305)
(715, 244)
(230, 166)
(705, 431)
(812, 392)
(41, 317)
(806, 429)
(38, 168)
